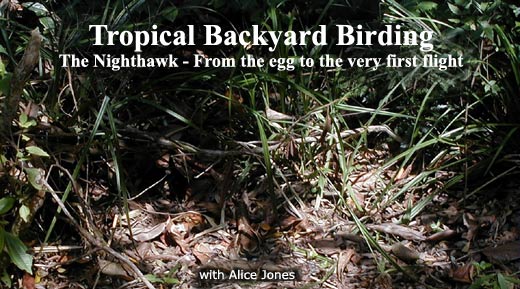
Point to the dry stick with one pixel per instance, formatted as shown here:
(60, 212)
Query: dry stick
(94, 241)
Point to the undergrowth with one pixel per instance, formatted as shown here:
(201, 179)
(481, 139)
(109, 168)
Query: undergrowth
(454, 130)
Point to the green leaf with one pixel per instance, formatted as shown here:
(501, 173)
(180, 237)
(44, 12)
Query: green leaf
(24, 212)
(170, 13)
(38, 8)
(2, 50)
(427, 5)
(488, 32)
(23, 118)
(502, 282)
(48, 23)
(454, 9)
(25, 122)
(5, 83)
(25, 137)
(6, 204)
(154, 279)
(463, 3)
(16, 250)
(20, 155)
(36, 151)
(2, 66)
(166, 280)
(28, 124)
(512, 279)
(171, 281)
(6, 279)
(43, 14)
(35, 177)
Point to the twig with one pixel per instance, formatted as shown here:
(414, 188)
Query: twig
(55, 249)
(148, 188)
(96, 242)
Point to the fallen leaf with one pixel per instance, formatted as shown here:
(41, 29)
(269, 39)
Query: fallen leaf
(472, 224)
(289, 222)
(356, 199)
(143, 234)
(503, 253)
(247, 241)
(398, 230)
(404, 253)
(114, 269)
(327, 246)
(383, 280)
(463, 274)
(403, 173)
(350, 237)
(275, 115)
(203, 252)
(191, 221)
(343, 260)
(163, 161)
(177, 233)
(486, 220)
(451, 214)
(28, 281)
(144, 249)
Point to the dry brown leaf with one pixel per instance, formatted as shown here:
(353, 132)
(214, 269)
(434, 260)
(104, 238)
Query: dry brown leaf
(177, 233)
(398, 230)
(114, 269)
(163, 161)
(403, 173)
(233, 96)
(31, 110)
(289, 222)
(143, 234)
(358, 198)
(404, 253)
(486, 220)
(327, 246)
(504, 253)
(28, 281)
(247, 242)
(343, 260)
(12, 5)
(383, 280)
(202, 252)
(275, 115)
(193, 220)
(463, 274)
(472, 224)
(451, 214)
(144, 249)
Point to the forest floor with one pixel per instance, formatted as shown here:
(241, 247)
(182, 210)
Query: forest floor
(179, 229)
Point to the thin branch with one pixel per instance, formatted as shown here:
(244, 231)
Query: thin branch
(96, 242)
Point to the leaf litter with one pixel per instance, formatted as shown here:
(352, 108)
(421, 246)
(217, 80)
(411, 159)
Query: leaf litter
(174, 237)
